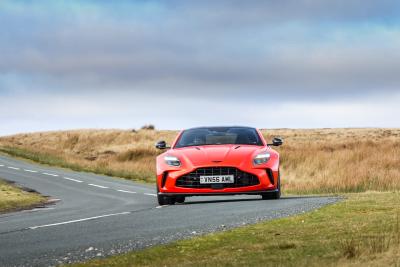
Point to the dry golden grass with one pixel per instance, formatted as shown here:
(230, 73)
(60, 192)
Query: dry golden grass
(313, 161)
(340, 160)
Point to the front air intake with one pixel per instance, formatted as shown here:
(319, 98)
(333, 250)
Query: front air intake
(270, 176)
(164, 179)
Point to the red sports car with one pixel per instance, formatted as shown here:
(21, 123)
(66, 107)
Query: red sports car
(217, 161)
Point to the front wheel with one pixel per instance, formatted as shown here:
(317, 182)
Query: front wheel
(165, 200)
(180, 199)
(276, 194)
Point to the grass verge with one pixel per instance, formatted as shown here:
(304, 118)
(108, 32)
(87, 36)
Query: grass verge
(362, 230)
(13, 198)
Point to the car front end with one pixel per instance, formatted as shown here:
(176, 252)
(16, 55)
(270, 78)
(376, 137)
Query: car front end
(225, 177)
(218, 169)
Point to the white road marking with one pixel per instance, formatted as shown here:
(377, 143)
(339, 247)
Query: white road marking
(148, 194)
(125, 191)
(14, 168)
(160, 207)
(50, 174)
(29, 170)
(1, 165)
(100, 186)
(74, 180)
(79, 220)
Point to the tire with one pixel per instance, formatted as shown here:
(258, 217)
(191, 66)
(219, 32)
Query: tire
(180, 199)
(165, 200)
(276, 194)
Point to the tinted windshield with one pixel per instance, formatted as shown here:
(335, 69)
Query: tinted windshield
(219, 136)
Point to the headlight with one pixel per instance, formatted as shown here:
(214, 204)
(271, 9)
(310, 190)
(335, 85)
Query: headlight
(261, 158)
(172, 161)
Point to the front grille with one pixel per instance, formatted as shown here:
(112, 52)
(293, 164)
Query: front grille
(192, 180)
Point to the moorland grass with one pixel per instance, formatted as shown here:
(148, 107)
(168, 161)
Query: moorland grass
(312, 160)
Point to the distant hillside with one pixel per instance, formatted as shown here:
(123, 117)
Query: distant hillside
(313, 161)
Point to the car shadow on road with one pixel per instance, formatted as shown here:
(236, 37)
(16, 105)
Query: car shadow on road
(256, 198)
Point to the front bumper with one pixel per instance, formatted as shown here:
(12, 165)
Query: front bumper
(219, 193)
(268, 180)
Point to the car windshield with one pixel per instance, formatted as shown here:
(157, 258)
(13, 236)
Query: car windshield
(219, 136)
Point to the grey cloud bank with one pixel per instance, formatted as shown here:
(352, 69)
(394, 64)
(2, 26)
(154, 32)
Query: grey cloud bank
(132, 110)
(74, 64)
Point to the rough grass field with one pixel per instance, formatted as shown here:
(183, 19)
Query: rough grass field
(313, 161)
(362, 230)
(13, 198)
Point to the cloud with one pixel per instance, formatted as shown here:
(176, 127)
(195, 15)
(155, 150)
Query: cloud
(214, 52)
(129, 110)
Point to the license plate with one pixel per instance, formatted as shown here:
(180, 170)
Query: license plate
(217, 179)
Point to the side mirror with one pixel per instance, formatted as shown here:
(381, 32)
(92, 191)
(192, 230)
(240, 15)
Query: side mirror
(161, 145)
(276, 142)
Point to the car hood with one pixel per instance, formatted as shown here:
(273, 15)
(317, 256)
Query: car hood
(221, 154)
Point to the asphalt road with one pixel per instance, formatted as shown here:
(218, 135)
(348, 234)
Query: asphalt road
(96, 216)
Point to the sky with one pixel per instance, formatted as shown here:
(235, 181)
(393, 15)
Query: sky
(180, 63)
